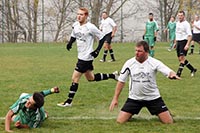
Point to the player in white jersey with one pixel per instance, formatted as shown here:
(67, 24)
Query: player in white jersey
(108, 27)
(84, 34)
(183, 39)
(195, 34)
(143, 90)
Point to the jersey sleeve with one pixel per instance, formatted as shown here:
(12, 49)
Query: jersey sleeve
(96, 32)
(18, 105)
(161, 67)
(113, 24)
(124, 73)
(72, 33)
(188, 29)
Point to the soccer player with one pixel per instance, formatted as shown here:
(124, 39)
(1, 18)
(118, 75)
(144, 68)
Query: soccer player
(143, 90)
(195, 34)
(108, 27)
(171, 27)
(183, 39)
(150, 33)
(28, 110)
(84, 33)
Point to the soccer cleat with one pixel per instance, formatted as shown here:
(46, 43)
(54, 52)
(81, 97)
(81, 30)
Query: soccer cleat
(116, 73)
(169, 49)
(65, 104)
(193, 72)
(112, 60)
(102, 60)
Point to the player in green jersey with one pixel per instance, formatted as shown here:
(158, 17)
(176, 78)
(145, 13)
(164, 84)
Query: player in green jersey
(171, 28)
(150, 33)
(28, 110)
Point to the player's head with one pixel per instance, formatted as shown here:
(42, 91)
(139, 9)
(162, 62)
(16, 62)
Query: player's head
(151, 16)
(141, 51)
(181, 16)
(35, 101)
(104, 15)
(82, 15)
(172, 18)
(196, 17)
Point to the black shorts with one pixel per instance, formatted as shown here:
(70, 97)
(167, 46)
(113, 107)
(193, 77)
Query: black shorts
(180, 48)
(108, 38)
(196, 37)
(155, 107)
(83, 66)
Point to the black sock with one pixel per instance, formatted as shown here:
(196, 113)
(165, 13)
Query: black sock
(102, 76)
(72, 92)
(192, 49)
(188, 65)
(105, 54)
(112, 54)
(180, 69)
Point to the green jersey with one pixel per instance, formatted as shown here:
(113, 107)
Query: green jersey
(151, 28)
(32, 118)
(171, 26)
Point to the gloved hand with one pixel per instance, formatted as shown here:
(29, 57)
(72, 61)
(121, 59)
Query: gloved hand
(68, 46)
(154, 38)
(95, 53)
(143, 37)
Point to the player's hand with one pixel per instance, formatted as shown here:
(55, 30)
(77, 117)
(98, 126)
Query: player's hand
(143, 37)
(154, 38)
(95, 53)
(173, 75)
(113, 104)
(18, 124)
(68, 46)
(186, 47)
(55, 90)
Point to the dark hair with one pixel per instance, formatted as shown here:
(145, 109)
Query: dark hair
(151, 13)
(144, 44)
(182, 12)
(39, 99)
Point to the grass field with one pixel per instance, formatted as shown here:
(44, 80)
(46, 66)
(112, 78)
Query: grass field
(34, 67)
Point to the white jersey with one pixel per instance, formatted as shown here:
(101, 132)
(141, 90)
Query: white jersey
(107, 25)
(142, 77)
(183, 30)
(195, 30)
(85, 35)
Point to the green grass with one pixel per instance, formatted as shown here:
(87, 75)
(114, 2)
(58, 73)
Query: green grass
(34, 67)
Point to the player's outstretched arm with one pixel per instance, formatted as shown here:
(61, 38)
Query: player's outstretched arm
(95, 53)
(8, 121)
(114, 103)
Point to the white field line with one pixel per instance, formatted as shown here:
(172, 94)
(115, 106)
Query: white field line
(112, 118)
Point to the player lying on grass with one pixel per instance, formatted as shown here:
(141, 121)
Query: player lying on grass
(143, 90)
(28, 110)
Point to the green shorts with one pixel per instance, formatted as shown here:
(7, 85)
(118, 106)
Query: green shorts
(150, 40)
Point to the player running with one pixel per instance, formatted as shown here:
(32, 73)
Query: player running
(84, 33)
(108, 27)
(171, 27)
(195, 34)
(183, 39)
(150, 33)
